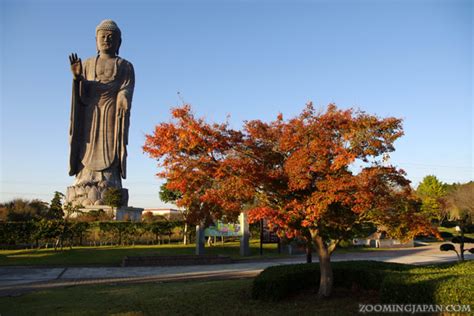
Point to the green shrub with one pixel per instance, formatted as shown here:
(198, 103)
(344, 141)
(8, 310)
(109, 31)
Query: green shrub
(436, 284)
(446, 235)
(43, 231)
(397, 283)
(15, 233)
(367, 275)
(469, 229)
(278, 282)
(448, 224)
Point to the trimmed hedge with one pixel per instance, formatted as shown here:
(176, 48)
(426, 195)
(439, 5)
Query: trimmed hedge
(398, 283)
(436, 284)
(367, 275)
(278, 282)
(43, 231)
(17, 232)
(446, 235)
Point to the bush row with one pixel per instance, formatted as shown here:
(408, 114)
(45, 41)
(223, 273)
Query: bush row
(38, 232)
(397, 283)
(278, 282)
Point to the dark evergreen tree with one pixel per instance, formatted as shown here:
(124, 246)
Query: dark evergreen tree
(113, 198)
(56, 207)
(167, 195)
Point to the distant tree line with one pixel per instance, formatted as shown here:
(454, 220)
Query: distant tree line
(34, 223)
(447, 204)
(58, 233)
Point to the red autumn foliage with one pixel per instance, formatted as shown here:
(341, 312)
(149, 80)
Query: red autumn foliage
(290, 172)
(298, 174)
(195, 160)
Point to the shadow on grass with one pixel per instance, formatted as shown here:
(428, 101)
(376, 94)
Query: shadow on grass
(229, 297)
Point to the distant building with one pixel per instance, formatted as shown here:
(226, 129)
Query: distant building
(168, 213)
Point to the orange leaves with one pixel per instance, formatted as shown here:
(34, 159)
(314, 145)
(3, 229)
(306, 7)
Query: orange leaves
(295, 173)
(262, 212)
(342, 159)
(181, 112)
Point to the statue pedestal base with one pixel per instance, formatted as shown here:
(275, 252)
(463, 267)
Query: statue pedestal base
(90, 195)
(133, 214)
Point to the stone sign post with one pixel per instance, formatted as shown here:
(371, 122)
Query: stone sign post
(245, 235)
(200, 239)
(102, 94)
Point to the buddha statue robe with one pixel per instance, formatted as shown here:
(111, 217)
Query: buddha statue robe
(100, 115)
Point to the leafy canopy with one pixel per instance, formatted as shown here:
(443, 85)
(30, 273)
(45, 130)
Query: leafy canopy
(296, 173)
(460, 203)
(431, 191)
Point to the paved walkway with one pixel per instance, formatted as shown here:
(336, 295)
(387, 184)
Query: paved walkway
(18, 280)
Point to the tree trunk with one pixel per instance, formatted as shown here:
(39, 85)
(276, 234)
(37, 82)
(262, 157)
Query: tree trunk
(309, 249)
(309, 254)
(326, 279)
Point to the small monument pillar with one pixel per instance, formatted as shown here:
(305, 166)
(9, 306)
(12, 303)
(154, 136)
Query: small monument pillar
(200, 239)
(245, 234)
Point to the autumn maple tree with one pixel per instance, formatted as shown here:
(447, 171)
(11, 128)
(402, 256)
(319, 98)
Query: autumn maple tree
(307, 187)
(319, 176)
(194, 159)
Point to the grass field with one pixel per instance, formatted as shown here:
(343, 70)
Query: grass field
(113, 255)
(453, 231)
(230, 297)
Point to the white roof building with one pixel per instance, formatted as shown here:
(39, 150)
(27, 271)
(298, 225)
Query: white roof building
(168, 213)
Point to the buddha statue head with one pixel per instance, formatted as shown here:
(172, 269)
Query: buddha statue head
(108, 37)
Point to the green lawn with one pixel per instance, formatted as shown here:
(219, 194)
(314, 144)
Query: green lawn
(453, 231)
(113, 255)
(229, 297)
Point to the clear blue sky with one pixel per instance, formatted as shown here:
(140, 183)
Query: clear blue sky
(246, 59)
